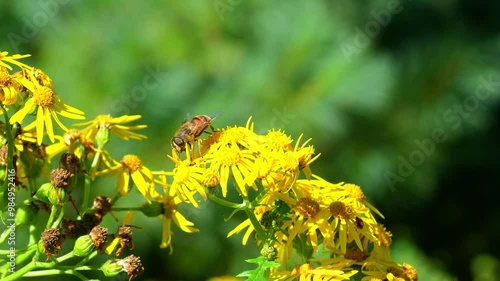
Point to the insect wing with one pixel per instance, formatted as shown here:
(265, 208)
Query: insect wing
(186, 118)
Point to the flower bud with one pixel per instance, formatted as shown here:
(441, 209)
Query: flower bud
(132, 266)
(43, 192)
(83, 246)
(111, 268)
(102, 137)
(57, 196)
(152, 210)
(26, 214)
(99, 236)
(49, 194)
(269, 252)
(52, 239)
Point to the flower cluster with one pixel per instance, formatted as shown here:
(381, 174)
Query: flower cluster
(289, 209)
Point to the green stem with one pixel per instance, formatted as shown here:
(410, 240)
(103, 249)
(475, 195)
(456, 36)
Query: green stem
(33, 235)
(225, 203)
(115, 199)
(10, 141)
(28, 270)
(21, 272)
(83, 267)
(120, 209)
(5, 234)
(88, 181)
(59, 218)
(66, 257)
(53, 211)
(87, 258)
(48, 272)
(17, 251)
(20, 258)
(249, 211)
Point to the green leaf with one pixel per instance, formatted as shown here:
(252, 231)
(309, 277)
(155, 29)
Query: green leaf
(261, 272)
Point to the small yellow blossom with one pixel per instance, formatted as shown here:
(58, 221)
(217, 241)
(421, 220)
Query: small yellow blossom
(13, 59)
(73, 142)
(115, 125)
(188, 176)
(131, 167)
(230, 160)
(47, 105)
(387, 270)
(25, 137)
(126, 221)
(169, 213)
(9, 88)
(328, 269)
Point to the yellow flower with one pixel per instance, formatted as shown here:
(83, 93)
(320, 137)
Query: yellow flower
(4, 57)
(187, 176)
(131, 167)
(73, 142)
(24, 138)
(114, 124)
(277, 140)
(230, 160)
(355, 195)
(305, 155)
(387, 270)
(324, 208)
(126, 221)
(170, 213)
(268, 171)
(9, 88)
(309, 216)
(166, 206)
(328, 269)
(47, 105)
(26, 78)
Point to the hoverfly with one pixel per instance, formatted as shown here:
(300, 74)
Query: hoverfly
(191, 129)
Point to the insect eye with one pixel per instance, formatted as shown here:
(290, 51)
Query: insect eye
(178, 141)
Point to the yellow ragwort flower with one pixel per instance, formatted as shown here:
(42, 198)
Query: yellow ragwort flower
(166, 206)
(5, 60)
(131, 167)
(115, 125)
(47, 105)
(9, 88)
(188, 176)
(73, 142)
(328, 269)
(387, 270)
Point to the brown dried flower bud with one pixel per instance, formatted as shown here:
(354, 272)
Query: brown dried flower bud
(52, 240)
(125, 235)
(70, 162)
(132, 266)
(99, 236)
(102, 205)
(60, 177)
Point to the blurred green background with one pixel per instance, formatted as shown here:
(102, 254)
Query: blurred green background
(400, 97)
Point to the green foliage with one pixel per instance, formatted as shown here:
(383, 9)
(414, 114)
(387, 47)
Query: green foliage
(259, 273)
